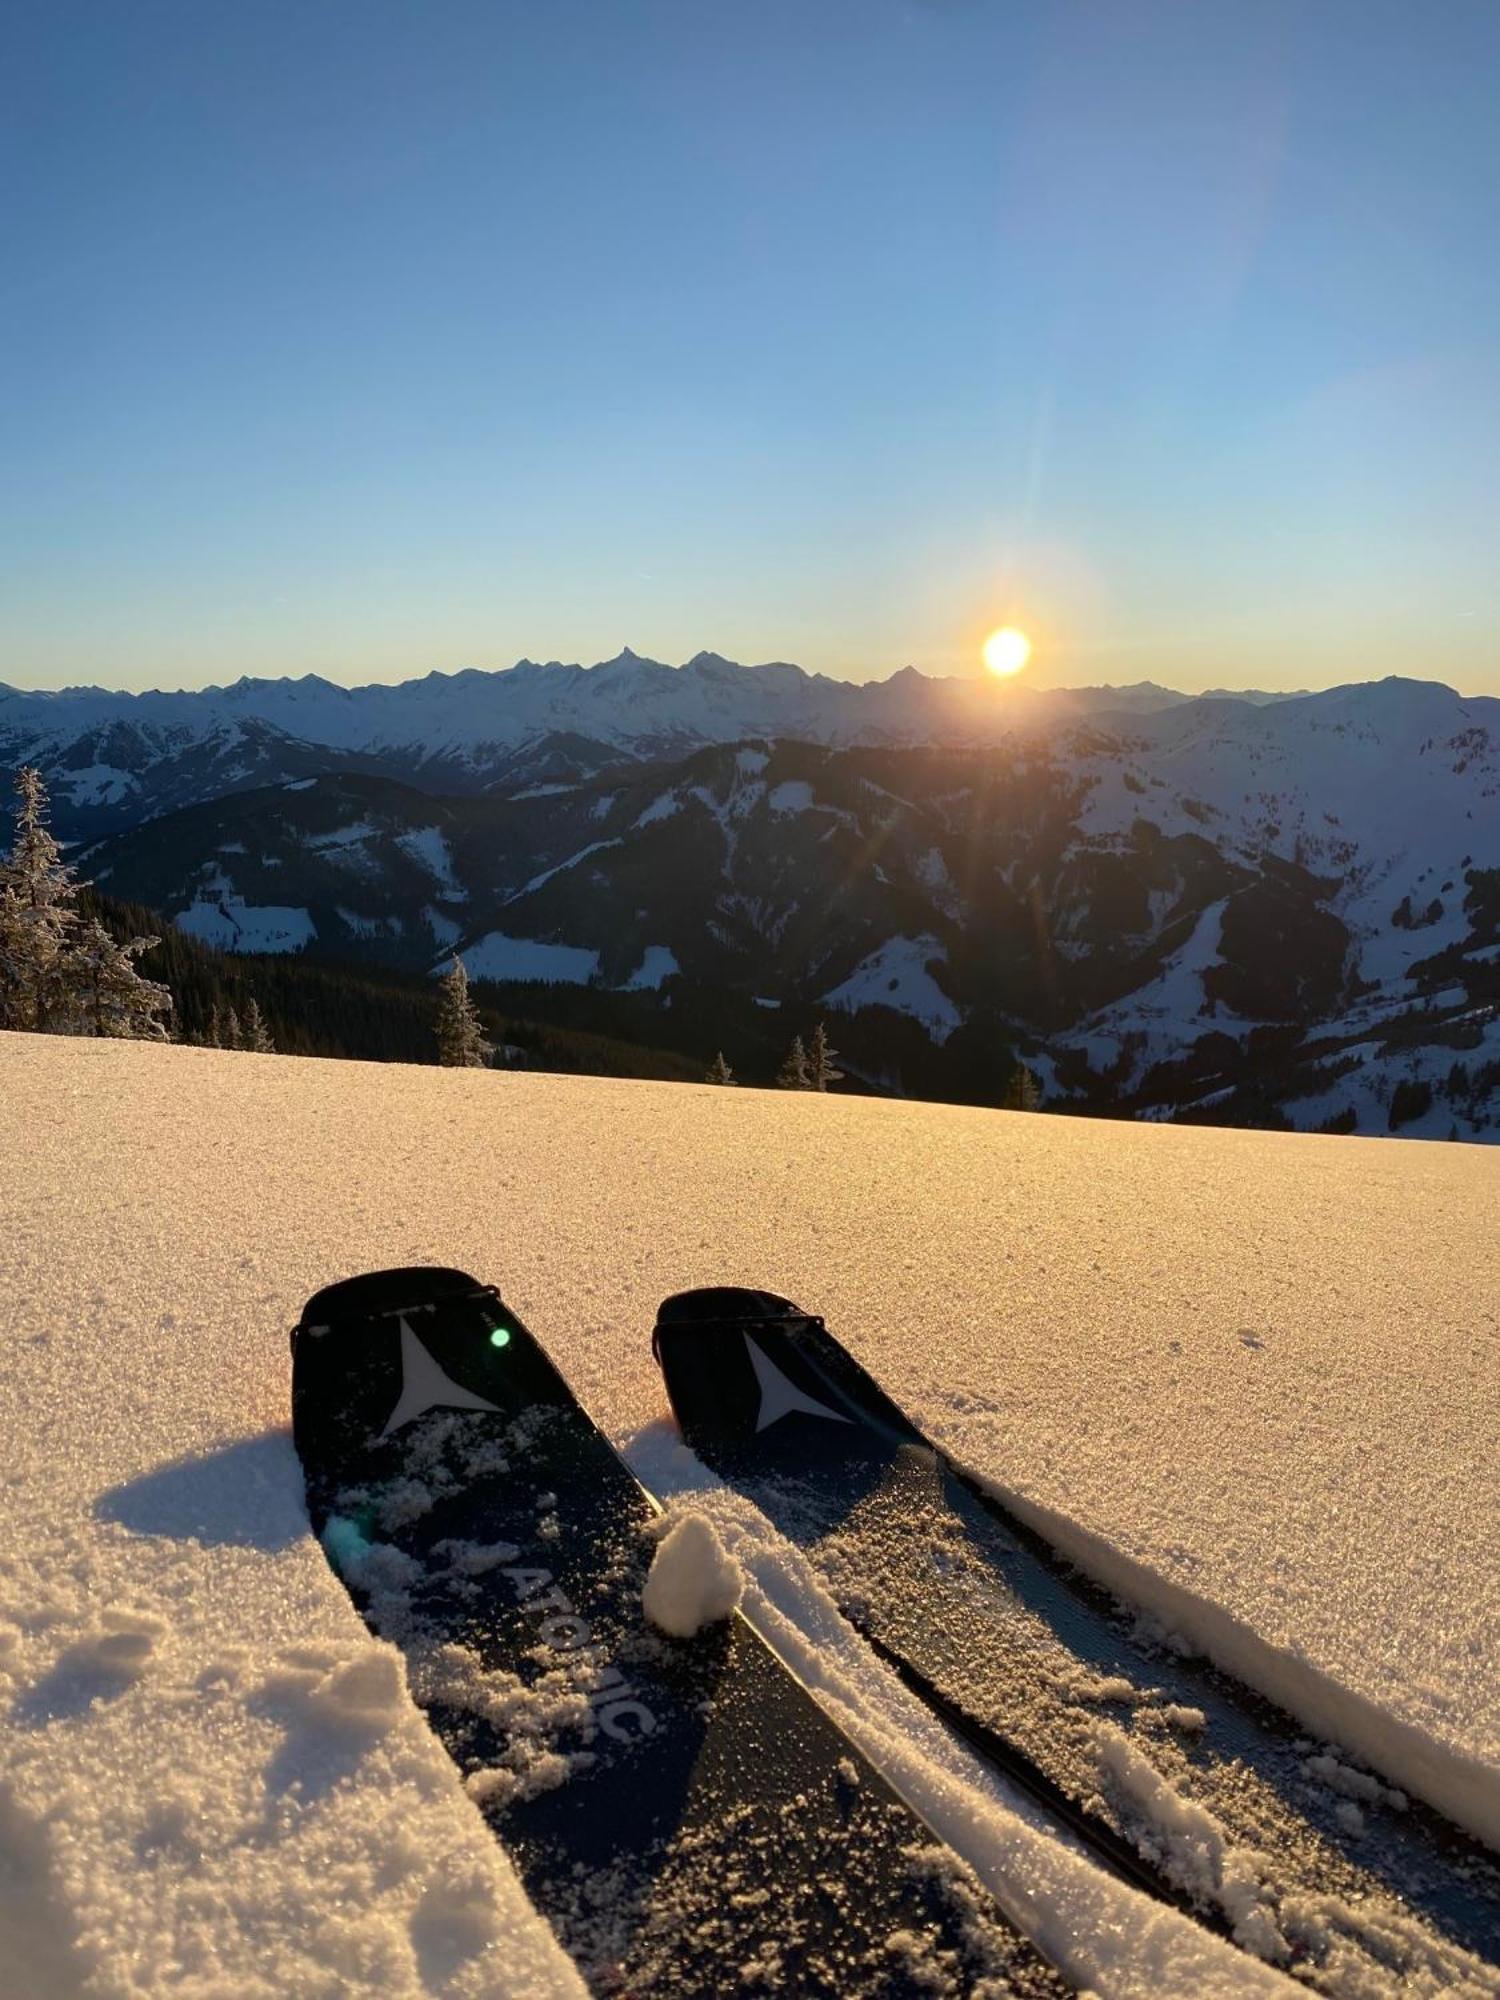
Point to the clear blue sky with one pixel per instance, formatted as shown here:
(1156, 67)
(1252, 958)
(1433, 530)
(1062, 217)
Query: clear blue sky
(367, 338)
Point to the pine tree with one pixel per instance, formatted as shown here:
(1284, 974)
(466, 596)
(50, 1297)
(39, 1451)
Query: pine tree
(257, 1036)
(820, 1062)
(461, 1042)
(213, 1034)
(1023, 1092)
(107, 995)
(37, 892)
(793, 1072)
(718, 1070)
(232, 1035)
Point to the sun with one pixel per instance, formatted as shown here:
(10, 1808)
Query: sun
(1006, 651)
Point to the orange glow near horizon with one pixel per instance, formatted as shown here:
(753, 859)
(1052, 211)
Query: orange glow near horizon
(1006, 651)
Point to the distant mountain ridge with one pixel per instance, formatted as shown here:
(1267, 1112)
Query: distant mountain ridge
(115, 758)
(1222, 906)
(1210, 908)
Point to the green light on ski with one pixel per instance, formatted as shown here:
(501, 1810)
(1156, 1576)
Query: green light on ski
(500, 1337)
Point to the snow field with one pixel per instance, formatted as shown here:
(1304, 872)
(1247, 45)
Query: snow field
(1260, 1367)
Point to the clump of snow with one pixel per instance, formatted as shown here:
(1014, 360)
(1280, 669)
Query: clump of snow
(1341, 1777)
(1191, 1846)
(693, 1580)
(1362, 1946)
(1080, 1683)
(364, 1692)
(1180, 1716)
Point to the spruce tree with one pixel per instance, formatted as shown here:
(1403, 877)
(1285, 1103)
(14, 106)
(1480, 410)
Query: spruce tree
(231, 1034)
(59, 975)
(37, 892)
(107, 995)
(793, 1072)
(257, 1036)
(821, 1060)
(718, 1070)
(1023, 1092)
(461, 1042)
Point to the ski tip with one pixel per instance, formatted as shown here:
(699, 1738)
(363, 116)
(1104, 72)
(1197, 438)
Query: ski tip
(712, 1307)
(373, 1292)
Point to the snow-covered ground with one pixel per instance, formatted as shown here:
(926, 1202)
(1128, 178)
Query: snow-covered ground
(1255, 1373)
(498, 956)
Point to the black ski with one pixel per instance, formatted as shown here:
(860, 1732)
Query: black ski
(681, 1810)
(1291, 1849)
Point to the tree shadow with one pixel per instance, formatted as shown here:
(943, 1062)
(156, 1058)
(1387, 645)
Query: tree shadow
(245, 1495)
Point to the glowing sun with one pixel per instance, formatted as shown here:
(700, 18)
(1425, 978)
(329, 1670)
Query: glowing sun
(1006, 651)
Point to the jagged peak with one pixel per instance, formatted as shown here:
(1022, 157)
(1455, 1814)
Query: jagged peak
(628, 657)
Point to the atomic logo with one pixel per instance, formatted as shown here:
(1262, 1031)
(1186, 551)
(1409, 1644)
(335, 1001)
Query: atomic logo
(780, 1398)
(425, 1387)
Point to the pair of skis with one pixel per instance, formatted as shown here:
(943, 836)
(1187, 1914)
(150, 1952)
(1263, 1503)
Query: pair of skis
(681, 1809)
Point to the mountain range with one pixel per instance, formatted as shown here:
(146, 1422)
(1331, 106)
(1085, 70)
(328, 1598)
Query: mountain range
(1267, 909)
(115, 758)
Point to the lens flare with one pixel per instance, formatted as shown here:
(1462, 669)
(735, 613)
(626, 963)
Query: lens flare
(1006, 651)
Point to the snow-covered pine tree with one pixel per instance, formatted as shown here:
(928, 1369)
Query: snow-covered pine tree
(257, 1036)
(37, 891)
(793, 1072)
(461, 1042)
(106, 995)
(718, 1070)
(821, 1060)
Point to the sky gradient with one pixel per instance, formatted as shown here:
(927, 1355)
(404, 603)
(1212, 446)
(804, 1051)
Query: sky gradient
(372, 338)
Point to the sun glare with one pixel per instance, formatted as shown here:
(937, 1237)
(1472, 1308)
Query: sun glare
(1006, 651)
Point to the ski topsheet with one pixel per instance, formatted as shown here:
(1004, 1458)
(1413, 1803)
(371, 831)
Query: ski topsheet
(1302, 1857)
(682, 1811)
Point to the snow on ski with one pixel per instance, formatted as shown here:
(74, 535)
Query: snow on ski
(1172, 1773)
(676, 1803)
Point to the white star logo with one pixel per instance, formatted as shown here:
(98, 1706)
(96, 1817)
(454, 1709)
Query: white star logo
(781, 1398)
(425, 1387)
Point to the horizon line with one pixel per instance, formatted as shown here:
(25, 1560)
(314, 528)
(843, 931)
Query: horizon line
(1004, 688)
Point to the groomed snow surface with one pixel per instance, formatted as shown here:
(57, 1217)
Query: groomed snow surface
(1252, 1375)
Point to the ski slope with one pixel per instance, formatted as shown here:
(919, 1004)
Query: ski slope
(1252, 1376)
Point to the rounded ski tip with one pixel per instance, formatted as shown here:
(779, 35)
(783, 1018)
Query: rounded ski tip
(711, 1307)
